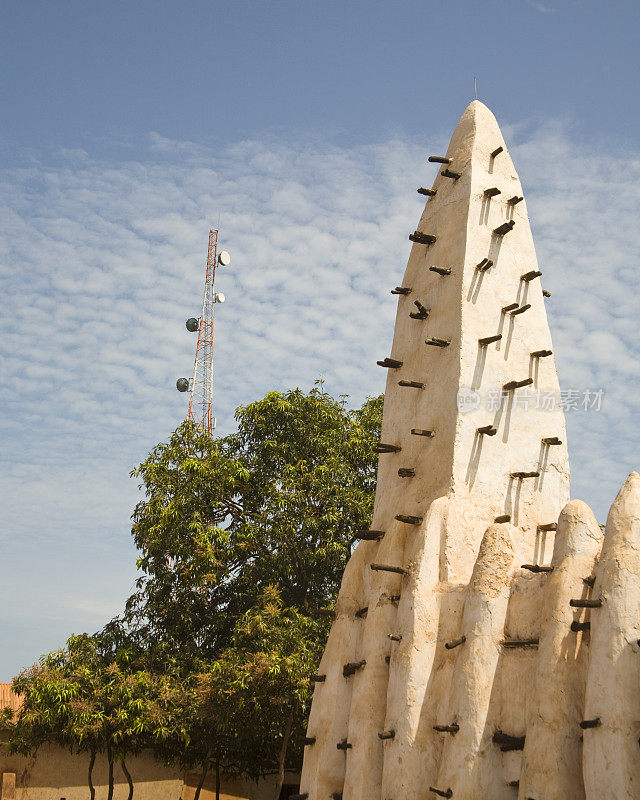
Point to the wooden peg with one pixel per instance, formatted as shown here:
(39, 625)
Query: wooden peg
(580, 626)
(422, 238)
(590, 581)
(361, 612)
(439, 160)
(484, 265)
(521, 475)
(411, 384)
(395, 637)
(441, 792)
(537, 567)
(401, 290)
(386, 734)
(406, 472)
(492, 192)
(509, 308)
(551, 441)
(390, 363)
(394, 598)
(421, 313)
(317, 678)
(511, 385)
(369, 536)
(489, 339)
(449, 173)
(548, 526)
(351, 667)
(590, 723)
(497, 152)
(579, 603)
(454, 728)
(344, 745)
(308, 740)
(388, 568)
(545, 293)
(529, 276)
(521, 310)
(508, 742)
(516, 785)
(444, 271)
(427, 192)
(455, 643)
(387, 659)
(387, 448)
(503, 229)
(513, 201)
(520, 642)
(541, 353)
(487, 430)
(408, 519)
(422, 432)
(503, 518)
(434, 342)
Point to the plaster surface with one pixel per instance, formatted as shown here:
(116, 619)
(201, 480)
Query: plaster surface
(471, 681)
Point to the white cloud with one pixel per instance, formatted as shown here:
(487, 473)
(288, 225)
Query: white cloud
(101, 263)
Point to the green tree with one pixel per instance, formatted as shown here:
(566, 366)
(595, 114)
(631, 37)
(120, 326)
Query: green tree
(243, 540)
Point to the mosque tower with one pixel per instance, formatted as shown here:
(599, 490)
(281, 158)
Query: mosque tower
(482, 646)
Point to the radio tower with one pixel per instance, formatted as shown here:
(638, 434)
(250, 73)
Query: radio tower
(200, 411)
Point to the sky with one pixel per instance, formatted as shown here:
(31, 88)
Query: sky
(301, 129)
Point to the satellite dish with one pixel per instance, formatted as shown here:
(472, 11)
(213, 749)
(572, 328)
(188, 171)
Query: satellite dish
(182, 384)
(218, 297)
(224, 259)
(192, 324)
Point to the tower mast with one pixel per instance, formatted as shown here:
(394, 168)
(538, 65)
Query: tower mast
(200, 411)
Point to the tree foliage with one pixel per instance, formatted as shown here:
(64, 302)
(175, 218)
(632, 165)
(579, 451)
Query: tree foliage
(242, 543)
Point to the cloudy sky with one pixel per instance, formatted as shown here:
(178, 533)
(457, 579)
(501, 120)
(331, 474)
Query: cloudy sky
(301, 129)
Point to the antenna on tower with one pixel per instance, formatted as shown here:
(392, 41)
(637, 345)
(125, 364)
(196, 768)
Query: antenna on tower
(200, 411)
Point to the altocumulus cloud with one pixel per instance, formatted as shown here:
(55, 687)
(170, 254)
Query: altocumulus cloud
(101, 262)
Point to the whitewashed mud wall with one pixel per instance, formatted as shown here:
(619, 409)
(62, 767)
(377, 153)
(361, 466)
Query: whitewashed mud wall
(482, 646)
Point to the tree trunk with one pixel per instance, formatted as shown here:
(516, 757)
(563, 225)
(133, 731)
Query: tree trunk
(217, 779)
(127, 775)
(92, 788)
(205, 769)
(283, 755)
(110, 758)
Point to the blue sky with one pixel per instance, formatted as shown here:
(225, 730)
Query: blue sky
(128, 129)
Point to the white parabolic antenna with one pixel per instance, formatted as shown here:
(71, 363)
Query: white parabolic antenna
(224, 259)
(218, 297)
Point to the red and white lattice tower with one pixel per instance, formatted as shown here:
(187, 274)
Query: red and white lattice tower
(200, 411)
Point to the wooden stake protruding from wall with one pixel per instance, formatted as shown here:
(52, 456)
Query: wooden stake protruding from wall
(511, 385)
(401, 290)
(381, 447)
(369, 536)
(422, 238)
(390, 363)
(411, 384)
(441, 792)
(449, 173)
(439, 160)
(388, 568)
(386, 734)
(508, 742)
(408, 519)
(435, 342)
(443, 271)
(427, 192)
(503, 518)
(487, 430)
(551, 441)
(492, 192)
(406, 472)
(580, 626)
(541, 353)
(514, 643)
(513, 201)
(580, 603)
(422, 432)
(421, 313)
(529, 276)
(522, 475)
(351, 667)
(538, 568)
(484, 265)
(344, 745)
(487, 340)
(497, 151)
(503, 229)
(453, 728)
(455, 643)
